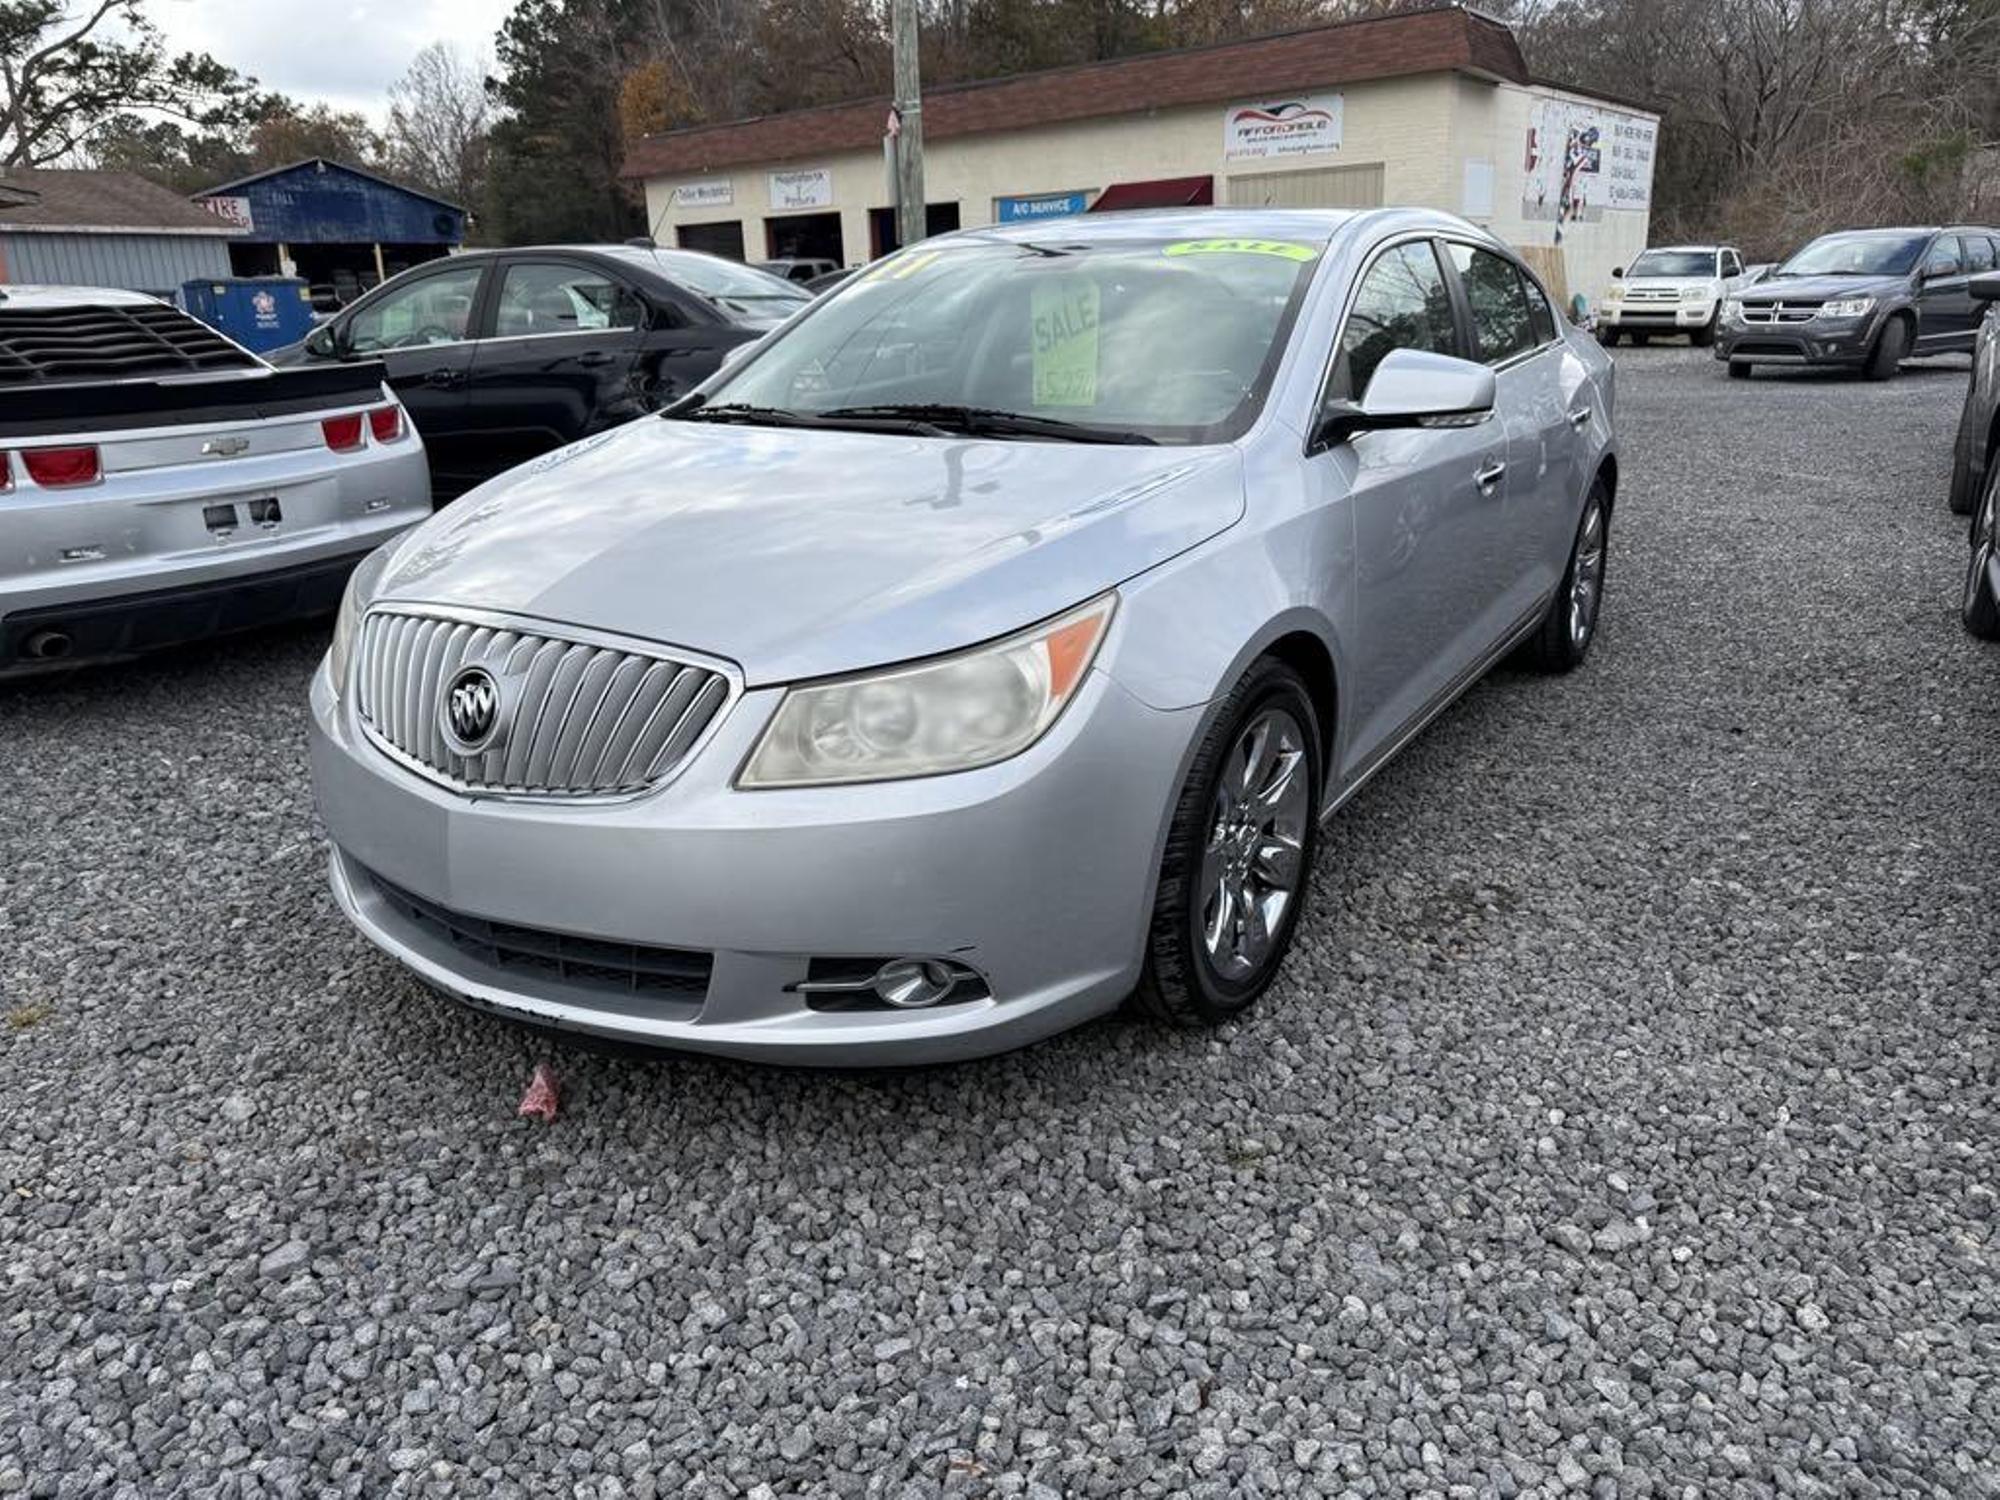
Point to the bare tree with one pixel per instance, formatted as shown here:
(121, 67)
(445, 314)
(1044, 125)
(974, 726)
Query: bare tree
(64, 76)
(439, 119)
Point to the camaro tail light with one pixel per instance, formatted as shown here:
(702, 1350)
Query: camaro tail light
(343, 434)
(58, 468)
(386, 422)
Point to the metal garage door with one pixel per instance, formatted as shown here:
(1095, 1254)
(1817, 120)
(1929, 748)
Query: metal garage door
(1319, 187)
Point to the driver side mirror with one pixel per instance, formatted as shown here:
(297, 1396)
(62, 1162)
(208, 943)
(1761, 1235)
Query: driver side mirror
(1985, 287)
(1617, 273)
(326, 342)
(1411, 388)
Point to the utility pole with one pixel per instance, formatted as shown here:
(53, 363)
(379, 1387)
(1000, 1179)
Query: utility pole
(910, 131)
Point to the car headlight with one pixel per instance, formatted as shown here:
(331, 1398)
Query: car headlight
(361, 585)
(1617, 292)
(953, 714)
(1732, 311)
(1694, 294)
(1847, 307)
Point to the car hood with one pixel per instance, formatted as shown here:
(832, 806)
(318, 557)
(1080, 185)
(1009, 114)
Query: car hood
(1670, 283)
(1823, 288)
(802, 553)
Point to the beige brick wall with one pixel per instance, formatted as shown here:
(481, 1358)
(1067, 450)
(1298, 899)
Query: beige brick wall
(1421, 131)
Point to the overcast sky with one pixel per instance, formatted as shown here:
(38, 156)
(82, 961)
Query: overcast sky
(346, 52)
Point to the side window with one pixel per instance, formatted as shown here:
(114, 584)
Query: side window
(1732, 263)
(1541, 316)
(434, 310)
(1402, 303)
(1978, 253)
(1943, 259)
(1500, 318)
(545, 297)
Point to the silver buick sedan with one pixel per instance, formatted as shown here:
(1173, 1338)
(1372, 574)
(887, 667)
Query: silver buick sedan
(989, 646)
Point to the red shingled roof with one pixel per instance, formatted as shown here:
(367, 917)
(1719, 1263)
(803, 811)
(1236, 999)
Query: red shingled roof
(1396, 46)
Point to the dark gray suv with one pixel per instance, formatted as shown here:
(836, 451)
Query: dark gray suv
(1862, 299)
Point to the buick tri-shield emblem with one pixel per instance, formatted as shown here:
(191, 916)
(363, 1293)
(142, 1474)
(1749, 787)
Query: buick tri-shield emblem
(471, 710)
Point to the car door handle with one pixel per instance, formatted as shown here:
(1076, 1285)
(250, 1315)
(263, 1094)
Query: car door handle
(444, 378)
(1579, 416)
(1488, 475)
(594, 359)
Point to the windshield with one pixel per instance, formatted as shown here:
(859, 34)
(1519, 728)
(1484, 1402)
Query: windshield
(1857, 255)
(1674, 263)
(1160, 340)
(745, 292)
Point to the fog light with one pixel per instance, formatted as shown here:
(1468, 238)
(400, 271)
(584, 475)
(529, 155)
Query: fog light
(911, 984)
(899, 983)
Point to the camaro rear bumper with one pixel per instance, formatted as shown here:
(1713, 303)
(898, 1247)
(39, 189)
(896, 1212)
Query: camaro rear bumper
(689, 916)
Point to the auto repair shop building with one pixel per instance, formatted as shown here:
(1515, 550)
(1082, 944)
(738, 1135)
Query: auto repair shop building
(1433, 107)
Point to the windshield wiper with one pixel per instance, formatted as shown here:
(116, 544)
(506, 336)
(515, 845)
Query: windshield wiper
(778, 416)
(740, 411)
(988, 421)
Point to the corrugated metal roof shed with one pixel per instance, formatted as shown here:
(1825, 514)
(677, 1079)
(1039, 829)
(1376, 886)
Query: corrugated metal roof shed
(327, 202)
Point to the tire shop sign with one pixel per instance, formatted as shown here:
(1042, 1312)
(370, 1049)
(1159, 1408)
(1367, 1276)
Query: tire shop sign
(1299, 126)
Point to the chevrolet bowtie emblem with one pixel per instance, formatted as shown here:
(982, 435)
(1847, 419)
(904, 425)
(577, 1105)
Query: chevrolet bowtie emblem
(225, 447)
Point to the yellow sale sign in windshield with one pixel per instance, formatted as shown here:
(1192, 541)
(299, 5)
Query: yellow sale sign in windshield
(1065, 348)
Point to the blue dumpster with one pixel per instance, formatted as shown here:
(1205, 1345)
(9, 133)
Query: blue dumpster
(259, 312)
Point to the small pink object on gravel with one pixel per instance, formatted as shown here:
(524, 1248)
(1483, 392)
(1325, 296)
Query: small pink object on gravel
(542, 1096)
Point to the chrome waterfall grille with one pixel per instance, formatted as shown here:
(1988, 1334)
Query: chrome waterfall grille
(574, 717)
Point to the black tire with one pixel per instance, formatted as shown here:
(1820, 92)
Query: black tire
(1703, 336)
(1608, 337)
(1561, 644)
(1964, 478)
(1892, 346)
(1182, 984)
(1978, 607)
(1739, 369)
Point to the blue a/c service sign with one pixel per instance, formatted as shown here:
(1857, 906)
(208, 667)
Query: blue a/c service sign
(1042, 206)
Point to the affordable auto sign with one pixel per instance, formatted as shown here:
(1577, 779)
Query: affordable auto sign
(1298, 126)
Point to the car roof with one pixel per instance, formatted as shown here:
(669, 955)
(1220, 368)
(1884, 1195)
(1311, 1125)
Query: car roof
(1319, 226)
(1685, 249)
(17, 297)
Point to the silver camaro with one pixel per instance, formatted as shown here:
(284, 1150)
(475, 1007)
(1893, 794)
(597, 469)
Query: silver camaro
(988, 646)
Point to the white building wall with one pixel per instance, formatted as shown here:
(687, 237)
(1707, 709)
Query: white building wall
(1423, 132)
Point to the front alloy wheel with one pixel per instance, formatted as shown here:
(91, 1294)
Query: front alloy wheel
(1234, 874)
(1979, 609)
(1250, 870)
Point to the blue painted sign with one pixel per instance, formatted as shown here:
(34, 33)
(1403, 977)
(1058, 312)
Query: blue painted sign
(1042, 206)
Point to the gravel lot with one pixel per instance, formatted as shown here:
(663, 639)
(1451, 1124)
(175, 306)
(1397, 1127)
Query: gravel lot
(1624, 1124)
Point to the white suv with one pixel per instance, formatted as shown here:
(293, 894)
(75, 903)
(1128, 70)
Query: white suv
(1675, 289)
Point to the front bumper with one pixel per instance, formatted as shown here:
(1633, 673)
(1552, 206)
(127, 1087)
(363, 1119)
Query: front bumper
(1656, 317)
(1036, 873)
(1831, 342)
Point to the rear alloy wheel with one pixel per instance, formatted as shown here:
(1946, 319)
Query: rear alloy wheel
(1891, 347)
(1238, 856)
(1571, 623)
(1979, 609)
